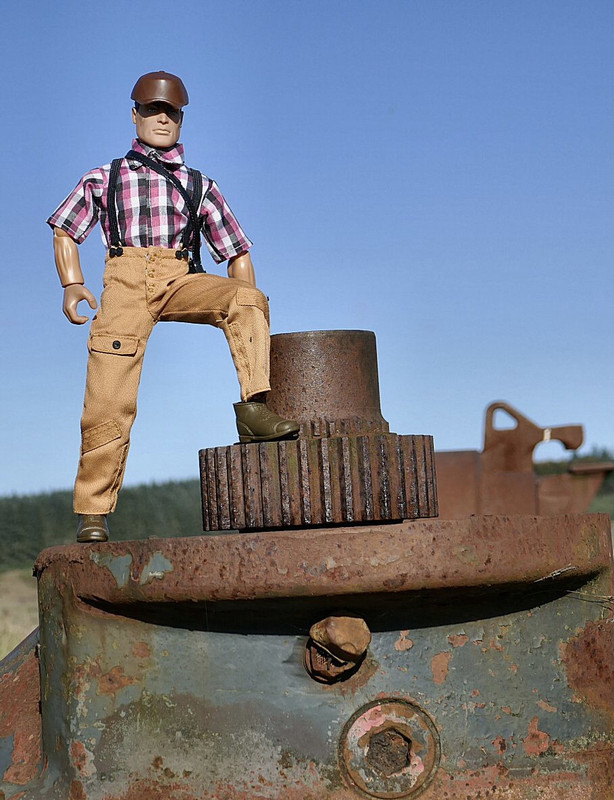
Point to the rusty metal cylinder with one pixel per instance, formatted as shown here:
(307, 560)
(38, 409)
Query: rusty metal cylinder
(327, 381)
(345, 467)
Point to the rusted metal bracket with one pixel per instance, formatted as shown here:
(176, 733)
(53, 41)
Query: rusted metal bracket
(501, 479)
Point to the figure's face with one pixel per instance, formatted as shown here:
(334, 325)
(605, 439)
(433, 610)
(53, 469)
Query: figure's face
(157, 124)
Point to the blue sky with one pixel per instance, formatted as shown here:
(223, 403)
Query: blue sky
(437, 171)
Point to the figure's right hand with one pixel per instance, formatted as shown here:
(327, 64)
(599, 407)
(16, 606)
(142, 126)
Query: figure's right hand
(73, 295)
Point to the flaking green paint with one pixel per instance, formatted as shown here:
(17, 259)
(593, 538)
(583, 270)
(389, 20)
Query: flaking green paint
(118, 566)
(157, 566)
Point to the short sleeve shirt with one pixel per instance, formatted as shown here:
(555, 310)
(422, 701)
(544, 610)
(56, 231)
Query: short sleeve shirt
(151, 212)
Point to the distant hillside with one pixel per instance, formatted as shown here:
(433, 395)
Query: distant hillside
(30, 523)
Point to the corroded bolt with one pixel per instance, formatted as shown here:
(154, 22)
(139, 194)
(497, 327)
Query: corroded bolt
(336, 648)
(347, 638)
(389, 748)
(389, 752)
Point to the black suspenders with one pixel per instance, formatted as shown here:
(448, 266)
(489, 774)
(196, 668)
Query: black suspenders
(193, 226)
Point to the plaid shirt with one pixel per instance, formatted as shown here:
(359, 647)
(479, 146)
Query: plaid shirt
(150, 210)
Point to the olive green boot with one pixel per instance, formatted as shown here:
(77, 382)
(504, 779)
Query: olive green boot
(92, 528)
(257, 423)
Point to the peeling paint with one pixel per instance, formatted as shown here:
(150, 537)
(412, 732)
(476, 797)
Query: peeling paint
(20, 725)
(118, 566)
(458, 639)
(141, 650)
(82, 759)
(403, 642)
(589, 664)
(535, 742)
(156, 568)
(468, 555)
(77, 792)
(440, 666)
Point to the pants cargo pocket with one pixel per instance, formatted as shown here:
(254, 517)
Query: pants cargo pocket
(99, 435)
(113, 344)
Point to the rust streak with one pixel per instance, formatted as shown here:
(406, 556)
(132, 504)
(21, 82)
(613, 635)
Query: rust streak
(77, 792)
(590, 668)
(19, 701)
(114, 680)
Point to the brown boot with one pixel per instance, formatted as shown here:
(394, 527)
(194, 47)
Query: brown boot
(257, 423)
(92, 528)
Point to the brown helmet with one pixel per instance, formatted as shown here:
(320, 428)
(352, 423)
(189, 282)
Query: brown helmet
(160, 87)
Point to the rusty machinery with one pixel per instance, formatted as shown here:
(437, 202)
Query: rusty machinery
(502, 479)
(346, 644)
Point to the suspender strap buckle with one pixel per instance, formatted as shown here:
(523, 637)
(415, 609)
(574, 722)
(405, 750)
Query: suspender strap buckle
(195, 266)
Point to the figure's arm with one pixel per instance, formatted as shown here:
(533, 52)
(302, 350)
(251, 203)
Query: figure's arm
(71, 277)
(241, 267)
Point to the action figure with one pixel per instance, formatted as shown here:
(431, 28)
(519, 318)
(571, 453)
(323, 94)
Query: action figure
(152, 210)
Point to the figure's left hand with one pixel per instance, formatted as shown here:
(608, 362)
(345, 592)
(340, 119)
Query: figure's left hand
(74, 293)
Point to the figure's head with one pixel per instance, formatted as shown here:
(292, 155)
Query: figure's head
(158, 100)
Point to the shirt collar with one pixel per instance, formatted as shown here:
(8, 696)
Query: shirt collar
(171, 158)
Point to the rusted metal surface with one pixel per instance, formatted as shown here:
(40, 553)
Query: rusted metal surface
(447, 659)
(484, 552)
(318, 481)
(173, 668)
(345, 467)
(328, 381)
(501, 479)
(20, 719)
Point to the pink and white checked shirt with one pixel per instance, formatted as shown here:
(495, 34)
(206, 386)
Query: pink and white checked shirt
(150, 210)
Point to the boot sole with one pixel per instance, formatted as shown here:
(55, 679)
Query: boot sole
(255, 439)
(92, 537)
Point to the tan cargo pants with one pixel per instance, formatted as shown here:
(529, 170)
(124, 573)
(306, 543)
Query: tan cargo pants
(142, 287)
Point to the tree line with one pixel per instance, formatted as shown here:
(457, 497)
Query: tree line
(30, 523)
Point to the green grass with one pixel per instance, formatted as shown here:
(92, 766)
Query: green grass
(604, 504)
